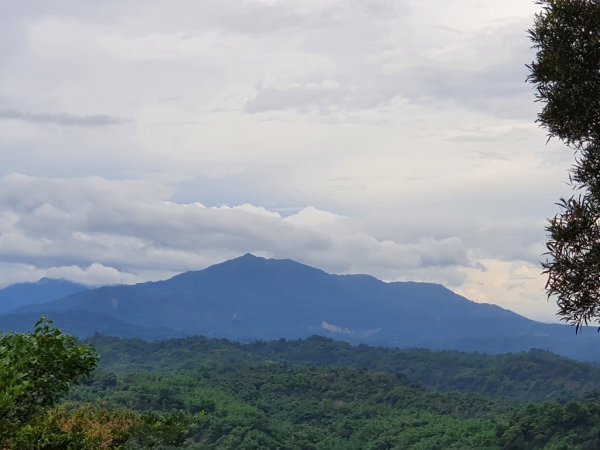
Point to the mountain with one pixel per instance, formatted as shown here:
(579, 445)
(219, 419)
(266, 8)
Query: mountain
(21, 294)
(84, 324)
(251, 298)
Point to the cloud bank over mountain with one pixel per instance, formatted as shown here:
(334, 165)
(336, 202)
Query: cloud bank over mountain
(393, 138)
(132, 227)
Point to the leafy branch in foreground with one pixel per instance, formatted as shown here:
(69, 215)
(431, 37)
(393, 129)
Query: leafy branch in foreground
(36, 371)
(566, 76)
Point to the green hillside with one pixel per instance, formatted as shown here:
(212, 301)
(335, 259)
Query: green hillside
(322, 394)
(200, 393)
(534, 375)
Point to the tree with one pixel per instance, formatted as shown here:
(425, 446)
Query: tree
(36, 371)
(566, 75)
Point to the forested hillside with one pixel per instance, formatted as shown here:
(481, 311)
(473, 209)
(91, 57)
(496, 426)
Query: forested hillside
(535, 375)
(317, 393)
(322, 394)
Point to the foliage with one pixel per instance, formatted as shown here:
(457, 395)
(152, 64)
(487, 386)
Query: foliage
(73, 427)
(535, 375)
(283, 406)
(36, 370)
(87, 426)
(199, 393)
(287, 395)
(575, 424)
(574, 246)
(566, 75)
(566, 72)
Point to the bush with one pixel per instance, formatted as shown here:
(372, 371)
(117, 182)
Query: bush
(36, 371)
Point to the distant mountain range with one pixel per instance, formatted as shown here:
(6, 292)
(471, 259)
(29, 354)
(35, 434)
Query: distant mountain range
(42, 291)
(250, 298)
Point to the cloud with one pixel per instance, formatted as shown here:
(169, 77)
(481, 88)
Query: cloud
(62, 119)
(93, 275)
(336, 329)
(393, 67)
(392, 138)
(133, 226)
(516, 285)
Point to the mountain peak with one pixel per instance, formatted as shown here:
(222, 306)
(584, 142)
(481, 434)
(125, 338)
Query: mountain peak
(247, 259)
(250, 255)
(250, 262)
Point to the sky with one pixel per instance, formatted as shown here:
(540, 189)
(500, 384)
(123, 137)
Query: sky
(140, 139)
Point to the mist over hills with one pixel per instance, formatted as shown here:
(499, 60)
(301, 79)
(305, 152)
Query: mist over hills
(250, 298)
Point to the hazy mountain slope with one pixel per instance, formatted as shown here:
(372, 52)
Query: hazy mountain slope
(252, 297)
(255, 298)
(42, 291)
(84, 324)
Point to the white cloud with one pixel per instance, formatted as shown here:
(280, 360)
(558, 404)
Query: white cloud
(312, 217)
(95, 274)
(515, 285)
(132, 225)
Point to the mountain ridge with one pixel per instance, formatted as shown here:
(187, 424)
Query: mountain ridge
(250, 297)
(44, 290)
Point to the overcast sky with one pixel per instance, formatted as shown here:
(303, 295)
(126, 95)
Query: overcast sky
(139, 139)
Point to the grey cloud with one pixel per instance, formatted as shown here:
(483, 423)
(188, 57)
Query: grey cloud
(472, 138)
(493, 156)
(290, 16)
(129, 225)
(373, 76)
(250, 17)
(62, 119)
(514, 238)
(343, 93)
(491, 81)
(265, 184)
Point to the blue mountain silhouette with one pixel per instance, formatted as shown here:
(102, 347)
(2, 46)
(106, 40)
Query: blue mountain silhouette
(251, 298)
